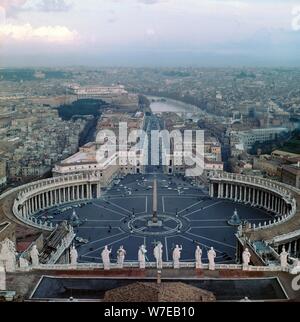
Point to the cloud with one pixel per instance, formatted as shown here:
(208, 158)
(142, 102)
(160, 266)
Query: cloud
(150, 1)
(11, 6)
(54, 5)
(6, 4)
(28, 33)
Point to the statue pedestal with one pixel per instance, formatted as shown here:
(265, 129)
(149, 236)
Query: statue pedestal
(176, 265)
(155, 224)
(199, 266)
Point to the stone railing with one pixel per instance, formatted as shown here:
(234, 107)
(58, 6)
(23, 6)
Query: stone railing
(152, 265)
(276, 221)
(32, 221)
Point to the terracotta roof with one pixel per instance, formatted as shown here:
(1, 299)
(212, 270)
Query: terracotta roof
(153, 292)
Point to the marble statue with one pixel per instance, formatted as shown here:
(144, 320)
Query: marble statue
(8, 255)
(284, 258)
(34, 255)
(246, 258)
(211, 254)
(73, 256)
(198, 256)
(106, 257)
(158, 253)
(23, 262)
(121, 256)
(2, 279)
(176, 256)
(142, 256)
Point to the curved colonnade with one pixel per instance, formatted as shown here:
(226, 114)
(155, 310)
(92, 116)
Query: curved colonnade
(45, 194)
(274, 197)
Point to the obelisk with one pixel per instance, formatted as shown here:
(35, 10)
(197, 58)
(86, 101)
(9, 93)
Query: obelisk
(154, 214)
(154, 222)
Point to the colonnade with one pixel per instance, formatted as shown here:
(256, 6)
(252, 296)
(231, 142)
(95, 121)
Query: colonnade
(58, 196)
(253, 195)
(45, 194)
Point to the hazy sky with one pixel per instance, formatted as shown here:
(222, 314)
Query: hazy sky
(150, 32)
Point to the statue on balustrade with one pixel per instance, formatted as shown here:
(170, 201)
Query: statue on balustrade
(23, 263)
(142, 256)
(211, 259)
(284, 258)
(176, 256)
(121, 256)
(34, 255)
(198, 256)
(73, 256)
(246, 258)
(8, 255)
(158, 253)
(106, 257)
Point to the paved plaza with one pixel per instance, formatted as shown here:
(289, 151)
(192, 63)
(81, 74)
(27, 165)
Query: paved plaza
(189, 217)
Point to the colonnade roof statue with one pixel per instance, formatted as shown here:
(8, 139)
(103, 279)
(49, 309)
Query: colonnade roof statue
(106, 257)
(73, 255)
(176, 256)
(246, 258)
(121, 253)
(198, 257)
(284, 258)
(158, 253)
(211, 254)
(34, 255)
(142, 257)
(8, 255)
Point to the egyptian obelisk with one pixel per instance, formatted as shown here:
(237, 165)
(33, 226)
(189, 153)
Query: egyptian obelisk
(154, 214)
(154, 222)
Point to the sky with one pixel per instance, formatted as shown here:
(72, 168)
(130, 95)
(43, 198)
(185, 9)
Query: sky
(150, 33)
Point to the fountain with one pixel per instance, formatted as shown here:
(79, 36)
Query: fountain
(235, 219)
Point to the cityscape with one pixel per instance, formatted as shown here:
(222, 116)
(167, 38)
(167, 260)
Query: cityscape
(164, 173)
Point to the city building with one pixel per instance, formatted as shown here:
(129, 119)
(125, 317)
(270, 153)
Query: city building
(244, 140)
(291, 175)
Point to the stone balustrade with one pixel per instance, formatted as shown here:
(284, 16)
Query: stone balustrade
(152, 265)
